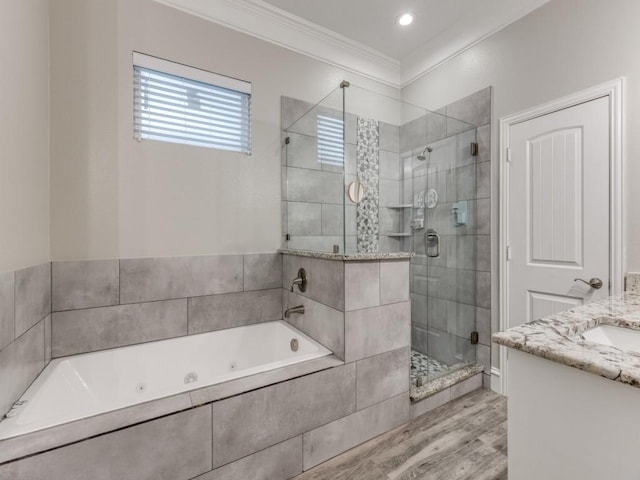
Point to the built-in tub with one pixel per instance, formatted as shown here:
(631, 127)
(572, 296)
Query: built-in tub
(81, 386)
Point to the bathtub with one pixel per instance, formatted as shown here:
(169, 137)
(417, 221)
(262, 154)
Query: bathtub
(81, 386)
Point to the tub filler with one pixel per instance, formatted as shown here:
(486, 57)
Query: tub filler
(166, 376)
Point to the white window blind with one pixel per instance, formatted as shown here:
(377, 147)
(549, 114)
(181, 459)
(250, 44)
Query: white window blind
(330, 140)
(180, 104)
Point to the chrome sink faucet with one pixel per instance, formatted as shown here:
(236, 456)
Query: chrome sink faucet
(300, 281)
(299, 309)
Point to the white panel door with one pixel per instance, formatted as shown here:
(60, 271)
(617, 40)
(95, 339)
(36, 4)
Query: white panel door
(558, 210)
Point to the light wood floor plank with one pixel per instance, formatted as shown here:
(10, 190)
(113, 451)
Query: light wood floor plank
(463, 440)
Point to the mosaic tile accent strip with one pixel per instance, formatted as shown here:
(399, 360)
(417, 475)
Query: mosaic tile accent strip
(368, 161)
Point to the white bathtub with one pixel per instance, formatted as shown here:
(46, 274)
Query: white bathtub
(80, 386)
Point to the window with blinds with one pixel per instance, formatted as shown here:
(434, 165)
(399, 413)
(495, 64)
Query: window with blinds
(180, 104)
(330, 140)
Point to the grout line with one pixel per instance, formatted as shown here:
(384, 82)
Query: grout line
(355, 385)
(379, 283)
(213, 426)
(172, 299)
(244, 280)
(50, 287)
(188, 314)
(168, 299)
(14, 309)
(50, 314)
(119, 283)
(302, 452)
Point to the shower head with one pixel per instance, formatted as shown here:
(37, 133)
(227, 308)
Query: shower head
(423, 156)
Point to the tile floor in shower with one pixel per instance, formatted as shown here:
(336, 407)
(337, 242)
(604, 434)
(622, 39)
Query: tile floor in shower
(425, 366)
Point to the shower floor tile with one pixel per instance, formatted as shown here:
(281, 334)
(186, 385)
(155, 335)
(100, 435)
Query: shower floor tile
(423, 366)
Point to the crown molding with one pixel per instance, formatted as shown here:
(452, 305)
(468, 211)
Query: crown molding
(269, 23)
(266, 22)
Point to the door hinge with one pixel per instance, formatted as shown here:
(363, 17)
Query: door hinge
(508, 155)
(475, 338)
(287, 140)
(508, 254)
(287, 237)
(473, 150)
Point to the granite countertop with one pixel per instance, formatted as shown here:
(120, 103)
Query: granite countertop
(349, 257)
(558, 338)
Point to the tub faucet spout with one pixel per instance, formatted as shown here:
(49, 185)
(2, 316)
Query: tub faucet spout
(299, 309)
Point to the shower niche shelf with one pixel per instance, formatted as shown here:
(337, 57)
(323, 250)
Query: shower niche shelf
(401, 205)
(396, 234)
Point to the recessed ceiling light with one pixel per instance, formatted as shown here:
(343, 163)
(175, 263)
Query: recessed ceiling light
(405, 19)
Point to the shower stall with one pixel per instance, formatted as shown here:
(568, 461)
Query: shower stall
(368, 173)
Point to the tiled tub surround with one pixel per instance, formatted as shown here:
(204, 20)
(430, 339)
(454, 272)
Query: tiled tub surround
(272, 432)
(65, 434)
(25, 329)
(360, 309)
(101, 304)
(82, 386)
(89, 299)
(371, 310)
(558, 338)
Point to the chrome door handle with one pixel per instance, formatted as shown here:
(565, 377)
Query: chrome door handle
(594, 283)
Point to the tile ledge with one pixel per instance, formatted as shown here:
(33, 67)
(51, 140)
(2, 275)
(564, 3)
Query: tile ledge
(349, 257)
(442, 383)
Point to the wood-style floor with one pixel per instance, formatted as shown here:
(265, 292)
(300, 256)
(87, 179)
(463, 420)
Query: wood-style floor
(465, 439)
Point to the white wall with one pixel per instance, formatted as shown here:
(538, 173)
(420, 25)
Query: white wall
(115, 197)
(563, 47)
(24, 133)
(84, 143)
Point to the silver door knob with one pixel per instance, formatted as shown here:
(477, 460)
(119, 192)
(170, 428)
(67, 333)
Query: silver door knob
(594, 283)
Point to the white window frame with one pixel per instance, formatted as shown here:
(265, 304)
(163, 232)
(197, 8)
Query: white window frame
(196, 74)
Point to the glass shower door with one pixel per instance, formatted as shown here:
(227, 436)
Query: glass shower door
(443, 270)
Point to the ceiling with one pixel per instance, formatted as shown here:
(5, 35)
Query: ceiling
(363, 36)
(373, 22)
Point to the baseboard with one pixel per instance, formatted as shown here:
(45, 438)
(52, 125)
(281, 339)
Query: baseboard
(496, 382)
